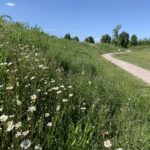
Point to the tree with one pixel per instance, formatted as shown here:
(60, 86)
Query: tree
(76, 39)
(6, 18)
(116, 34)
(90, 39)
(67, 36)
(124, 39)
(134, 40)
(106, 38)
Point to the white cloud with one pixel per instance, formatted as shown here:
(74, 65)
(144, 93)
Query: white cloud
(10, 4)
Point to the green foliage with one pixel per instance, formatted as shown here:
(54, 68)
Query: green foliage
(89, 39)
(124, 39)
(67, 36)
(116, 34)
(76, 39)
(106, 38)
(145, 41)
(134, 40)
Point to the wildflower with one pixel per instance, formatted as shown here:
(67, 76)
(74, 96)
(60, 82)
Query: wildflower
(1, 86)
(119, 149)
(45, 82)
(25, 133)
(58, 108)
(47, 115)
(64, 100)
(25, 144)
(32, 109)
(18, 102)
(10, 126)
(38, 147)
(11, 116)
(32, 78)
(62, 86)
(107, 144)
(9, 64)
(3, 118)
(37, 54)
(33, 97)
(18, 134)
(28, 119)
(40, 66)
(83, 108)
(70, 95)
(50, 90)
(45, 68)
(38, 90)
(9, 88)
(49, 124)
(59, 92)
(55, 88)
(70, 87)
(89, 82)
(17, 83)
(45, 93)
(18, 125)
(7, 70)
(53, 81)
(1, 109)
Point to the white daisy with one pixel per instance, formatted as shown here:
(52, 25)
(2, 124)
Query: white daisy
(18, 125)
(107, 144)
(49, 124)
(25, 144)
(47, 115)
(25, 133)
(64, 100)
(38, 147)
(33, 97)
(3, 118)
(32, 109)
(10, 126)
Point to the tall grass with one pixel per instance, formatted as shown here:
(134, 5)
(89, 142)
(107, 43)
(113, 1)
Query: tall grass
(59, 94)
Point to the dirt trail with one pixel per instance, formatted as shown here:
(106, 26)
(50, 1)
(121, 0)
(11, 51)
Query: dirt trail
(137, 71)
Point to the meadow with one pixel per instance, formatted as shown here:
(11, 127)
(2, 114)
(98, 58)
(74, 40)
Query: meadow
(138, 57)
(57, 94)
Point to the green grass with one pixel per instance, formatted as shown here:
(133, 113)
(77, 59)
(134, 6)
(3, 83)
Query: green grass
(139, 56)
(82, 95)
(107, 48)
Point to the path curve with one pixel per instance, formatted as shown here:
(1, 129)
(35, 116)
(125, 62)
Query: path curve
(137, 71)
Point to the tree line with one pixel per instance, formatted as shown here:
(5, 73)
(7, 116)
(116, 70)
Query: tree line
(122, 39)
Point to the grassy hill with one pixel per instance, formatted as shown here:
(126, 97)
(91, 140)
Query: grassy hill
(139, 55)
(61, 94)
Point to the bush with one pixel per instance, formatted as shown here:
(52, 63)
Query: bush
(105, 38)
(67, 36)
(89, 39)
(76, 39)
(134, 40)
(124, 39)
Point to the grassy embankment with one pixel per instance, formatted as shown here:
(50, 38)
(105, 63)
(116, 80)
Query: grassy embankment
(139, 56)
(63, 95)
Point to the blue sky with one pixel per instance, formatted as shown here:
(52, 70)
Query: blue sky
(82, 17)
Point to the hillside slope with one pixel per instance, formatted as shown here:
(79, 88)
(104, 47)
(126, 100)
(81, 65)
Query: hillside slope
(62, 95)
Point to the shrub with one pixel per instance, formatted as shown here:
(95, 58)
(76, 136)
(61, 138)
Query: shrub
(105, 38)
(124, 39)
(67, 36)
(89, 39)
(134, 40)
(76, 39)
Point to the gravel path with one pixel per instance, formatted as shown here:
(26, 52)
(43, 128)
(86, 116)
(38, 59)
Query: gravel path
(137, 71)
